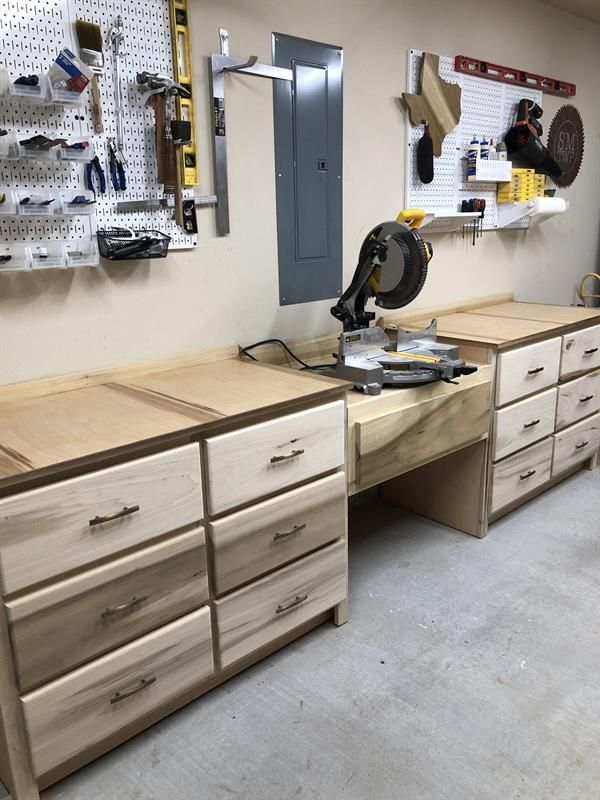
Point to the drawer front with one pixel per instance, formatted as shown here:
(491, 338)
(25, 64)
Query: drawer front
(147, 497)
(70, 714)
(523, 423)
(265, 536)
(581, 351)
(390, 444)
(60, 627)
(578, 399)
(575, 444)
(519, 474)
(252, 617)
(527, 370)
(262, 459)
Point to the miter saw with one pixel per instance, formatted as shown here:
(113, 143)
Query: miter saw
(392, 268)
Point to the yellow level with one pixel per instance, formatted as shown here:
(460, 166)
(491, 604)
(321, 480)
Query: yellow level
(182, 67)
(415, 356)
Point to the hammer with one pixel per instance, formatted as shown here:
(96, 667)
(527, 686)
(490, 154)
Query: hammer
(160, 90)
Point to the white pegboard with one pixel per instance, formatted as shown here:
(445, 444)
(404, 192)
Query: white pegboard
(33, 32)
(487, 108)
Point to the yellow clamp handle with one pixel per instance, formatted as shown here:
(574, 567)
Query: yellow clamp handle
(413, 217)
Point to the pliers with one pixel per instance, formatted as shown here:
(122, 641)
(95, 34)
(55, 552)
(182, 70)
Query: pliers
(117, 171)
(90, 167)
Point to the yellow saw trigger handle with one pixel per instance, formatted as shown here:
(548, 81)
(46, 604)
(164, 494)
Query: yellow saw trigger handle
(413, 217)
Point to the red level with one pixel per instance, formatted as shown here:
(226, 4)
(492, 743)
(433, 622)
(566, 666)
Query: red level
(520, 77)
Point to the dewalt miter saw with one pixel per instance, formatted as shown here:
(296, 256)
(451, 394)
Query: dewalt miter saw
(392, 268)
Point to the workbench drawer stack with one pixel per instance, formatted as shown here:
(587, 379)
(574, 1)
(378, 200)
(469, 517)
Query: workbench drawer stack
(546, 419)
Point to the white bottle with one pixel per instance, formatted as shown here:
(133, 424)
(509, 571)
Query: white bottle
(492, 150)
(484, 149)
(472, 156)
(501, 152)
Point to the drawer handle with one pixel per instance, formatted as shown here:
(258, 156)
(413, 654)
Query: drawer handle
(143, 684)
(581, 444)
(531, 424)
(135, 601)
(590, 352)
(292, 532)
(586, 398)
(124, 512)
(293, 454)
(527, 474)
(535, 371)
(292, 604)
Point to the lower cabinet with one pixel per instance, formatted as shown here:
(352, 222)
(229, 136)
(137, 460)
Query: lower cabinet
(517, 475)
(575, 444)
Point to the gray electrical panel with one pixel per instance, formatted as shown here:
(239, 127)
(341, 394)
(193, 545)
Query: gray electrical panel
(308, 167)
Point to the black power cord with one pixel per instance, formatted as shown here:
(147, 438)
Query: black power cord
(315, 367)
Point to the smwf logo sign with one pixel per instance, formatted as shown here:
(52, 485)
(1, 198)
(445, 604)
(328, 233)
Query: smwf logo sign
(565, 143)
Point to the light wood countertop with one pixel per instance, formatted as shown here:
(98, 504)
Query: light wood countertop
(52, 436)
(506, 325)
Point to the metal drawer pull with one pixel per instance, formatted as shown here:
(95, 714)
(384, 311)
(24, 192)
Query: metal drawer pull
(531, 424)
(580, 445)
(135, 601)
(143, 684)
(296, 529)
(292, 604)
(535, 371)
(527, 474)
(586, 398)
(293, 454)
(589, 352)
(125, 511)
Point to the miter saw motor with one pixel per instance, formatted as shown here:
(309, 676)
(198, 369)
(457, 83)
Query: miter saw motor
(392, 268)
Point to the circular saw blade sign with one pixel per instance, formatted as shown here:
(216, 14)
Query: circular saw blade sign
(565, 143)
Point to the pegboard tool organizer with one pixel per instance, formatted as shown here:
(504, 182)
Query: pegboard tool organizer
(488, 108)
(33, 32)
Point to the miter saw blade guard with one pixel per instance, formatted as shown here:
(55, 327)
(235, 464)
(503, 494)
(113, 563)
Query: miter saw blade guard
(372, 358)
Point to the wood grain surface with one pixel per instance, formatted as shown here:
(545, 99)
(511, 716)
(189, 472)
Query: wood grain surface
(70, 622)
(576, 443)
(581, 351)
(263, 459)
(526, 370)
(389, 444)
(578, 399)
(520, 424)
(55, 520)
(540, 312)
(263, 537)
(519, 474)
(68, 715)
(250, 617)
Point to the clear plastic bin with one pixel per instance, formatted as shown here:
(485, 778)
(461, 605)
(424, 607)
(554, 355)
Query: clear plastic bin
(36, 203)
(14, 258)
(8, 206)
(47, 255)
(82, 253)
(30, 94)
(63, 97)
(37, 155)
(72, 202)
(9, 146)
(77, 155)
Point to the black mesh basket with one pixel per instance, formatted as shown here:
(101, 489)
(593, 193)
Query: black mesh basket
(117, 244)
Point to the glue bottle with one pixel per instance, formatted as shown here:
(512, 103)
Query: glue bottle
(472, 156)
(484, 150)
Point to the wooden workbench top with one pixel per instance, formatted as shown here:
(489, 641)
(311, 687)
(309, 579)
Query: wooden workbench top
(506, 325)
(55, 434)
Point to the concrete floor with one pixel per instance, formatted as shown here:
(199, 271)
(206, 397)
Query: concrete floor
(468, 671)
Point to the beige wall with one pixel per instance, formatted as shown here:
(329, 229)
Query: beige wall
(226, 290)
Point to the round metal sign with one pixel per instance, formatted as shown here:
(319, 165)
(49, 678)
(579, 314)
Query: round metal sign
(565, 143)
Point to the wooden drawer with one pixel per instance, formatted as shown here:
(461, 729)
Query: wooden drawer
(575, 444)
(527, 370)
(252, 617)
(67, 716)
(581, 351)
(519, 474)
(265, 536)
(578, 399)
(50, 531)
(523, 423)
(437, 420)
(265, 458)
(68, 623)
